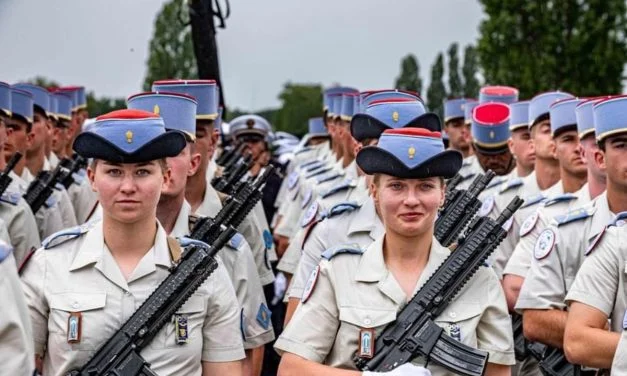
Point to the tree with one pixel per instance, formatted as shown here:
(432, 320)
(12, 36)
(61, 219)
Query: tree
(103, 105)
(469, 71)
(454, 81)
(409, 78)
(573, 45)
(171, 52)
(436, 94)
(300, 102)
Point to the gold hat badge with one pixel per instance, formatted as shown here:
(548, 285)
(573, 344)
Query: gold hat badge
(129, 136)
(156, 109)
(395, 116)
(411, 152)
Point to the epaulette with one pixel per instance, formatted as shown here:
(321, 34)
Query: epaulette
(5, 250)
(329, 176)
(78, 178)
(306, 198)
(302, 150)
(292, 180)
(309, 163)
(319, 171)
(497, 181)
(63, 236)
(468, 175)
(575, 215)
(511, 183)
(533, 200)
(51, 201)
(342, 207)
(236, 241)
(10, 197)
(342, 186)
(559, 198)
(618, 221)
(315, 166)
(353, 249)
(59, 186)
(466, 162)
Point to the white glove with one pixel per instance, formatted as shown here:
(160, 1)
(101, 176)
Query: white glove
(280, 285)
(406, 369)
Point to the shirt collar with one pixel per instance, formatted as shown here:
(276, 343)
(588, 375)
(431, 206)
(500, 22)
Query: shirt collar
(181, 226)
(368, 220)
(601, 217)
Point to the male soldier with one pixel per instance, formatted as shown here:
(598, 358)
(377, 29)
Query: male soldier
(520, 144)
(458, 133)
(598, 292)
(16, 336)
(174, 213)
(560, 248)
(62, 125)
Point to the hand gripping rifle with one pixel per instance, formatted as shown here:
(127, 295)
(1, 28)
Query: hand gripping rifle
(225, 182)
(5, 177)
(70, 167)
(459, 210)
(414, 333)
(120, 355)
(41, 188)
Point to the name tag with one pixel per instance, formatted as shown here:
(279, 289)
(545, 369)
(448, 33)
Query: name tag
(180, 324)
(74, 324)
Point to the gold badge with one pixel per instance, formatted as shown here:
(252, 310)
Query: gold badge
(395, 116)
(250, 123)
(156, 109)
(492, 135)
(411, 152)
(129, 136)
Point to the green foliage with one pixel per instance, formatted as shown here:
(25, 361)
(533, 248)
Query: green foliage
(300, 102)
(171, 52)
(454, 81)
(436, 94)
(409, 78)
(573, 45)
(469, 71)
(99, 106)
(43, 82)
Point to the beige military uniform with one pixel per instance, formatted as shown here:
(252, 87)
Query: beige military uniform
(600, 281)
(62, 202)
(19, 221)
(239, 263)
(17, 356)
(81, 275)
(558, 254)
(470, 169)
(520, 260)
(619, 365)
(355, 292)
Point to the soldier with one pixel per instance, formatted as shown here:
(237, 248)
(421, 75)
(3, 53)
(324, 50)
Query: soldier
(458, 132)
(62, 125)
(408, 187)
(598, 291)
(16, 336)
(519, 143)
(88, 280)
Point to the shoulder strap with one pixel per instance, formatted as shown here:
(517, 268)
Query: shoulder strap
(175, 249)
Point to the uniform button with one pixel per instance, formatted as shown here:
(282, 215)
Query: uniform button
(453, 314)
(367, 321)
(127, 293)
(75, 305)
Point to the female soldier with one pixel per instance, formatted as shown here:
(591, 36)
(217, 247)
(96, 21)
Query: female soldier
(353, 292)
(87, 281)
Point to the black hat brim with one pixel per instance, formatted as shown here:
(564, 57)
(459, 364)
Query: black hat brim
(374, 160)
(364, 126)
(91, 145)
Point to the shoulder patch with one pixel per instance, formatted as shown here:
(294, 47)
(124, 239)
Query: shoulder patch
(329, 176)
(620, 219)
(574, 215)
(343, 207)
(63, 236)
(268, 241)
(511, 183)
(533, 200)
(310, 214)
(236, 241)
(10, 197)
(497, 181)
(292, 180)
(263, 316)
(311, 284)
(552, 200)
(486, 206)
(529, 224)
(595, 242)
(544, 244)
(353, 249)
(306, 198)
(5, 250)
(342, 186)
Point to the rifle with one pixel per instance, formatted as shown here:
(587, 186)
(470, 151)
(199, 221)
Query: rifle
(5, 178)
(120, 355)
(459, 210)
(70, 167)
(226, 154)
(226, 182)
(234, 157)
(520, 342)
(40, 189)
(552, 361)
(414, 333)
(452, 183)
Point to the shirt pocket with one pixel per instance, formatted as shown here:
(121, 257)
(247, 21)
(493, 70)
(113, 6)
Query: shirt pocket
(460, 320)
(193, 313)
(93, 327)
(354, 319)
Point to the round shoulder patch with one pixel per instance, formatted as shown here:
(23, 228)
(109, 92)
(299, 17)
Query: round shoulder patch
(268, 241)
(544, 244)
(529, 224)
(486, 207)
(508, 224)
(311, 284)
(292, 180)
(306, 198)
(595, 242)
(310, 214)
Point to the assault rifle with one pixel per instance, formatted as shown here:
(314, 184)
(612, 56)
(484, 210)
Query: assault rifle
(225, 182)
(452, 183)
(70, 167)
(41, 188)
(414, 333)
(459, 210)
(5, 176)
(552, 361)
(120, 355)
(237, 154)
(226, 154)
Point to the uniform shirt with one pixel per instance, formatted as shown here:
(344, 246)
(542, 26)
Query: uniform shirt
(353, 292)
(81, 197)
(600, 282)
(619, 365)
(520, 260)
(551, 275)
(16, 338)
(239, 263)
(62, 200)
(470, 169)
(361, 226)
(81, 275)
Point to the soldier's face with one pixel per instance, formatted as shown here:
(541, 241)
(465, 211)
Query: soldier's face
(18, 139)
(183, 165)
(128, 192)
(521, 147)
(589, 152)
(569, 153)
(408, 206)
(206, 138)
(3, 130)
(59, 138)
(543, 141)
(614, 161)
(501, 163)
(458, 134)
(39, 131)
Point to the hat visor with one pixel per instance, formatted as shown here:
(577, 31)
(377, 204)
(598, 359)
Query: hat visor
(374, 160)
(428, 121)
(365, 126)
(91, 145)
(248, 132)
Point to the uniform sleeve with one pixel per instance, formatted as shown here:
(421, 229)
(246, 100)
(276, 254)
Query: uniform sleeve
(309, 259)
(222, 340)
(67, 211)
(33, 282)
(311, 332)
(520, 261)
(22, 231)
(544, 286)
(254, 237)
(49, 220)
(494, 332)
(289, 261)
(596, 283)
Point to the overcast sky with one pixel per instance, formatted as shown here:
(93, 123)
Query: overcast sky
(103, 44)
